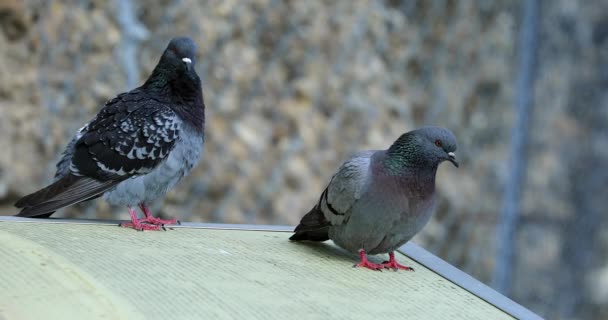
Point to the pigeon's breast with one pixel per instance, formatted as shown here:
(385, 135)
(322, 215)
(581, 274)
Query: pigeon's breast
(407, 224)
(155, 184)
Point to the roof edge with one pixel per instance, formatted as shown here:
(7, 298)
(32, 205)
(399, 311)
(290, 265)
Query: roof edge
(412, 250)
(467, 282)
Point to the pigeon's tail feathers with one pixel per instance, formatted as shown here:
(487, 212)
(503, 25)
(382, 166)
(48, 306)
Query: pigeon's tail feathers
(312, 227)
(66, 191)
(319, 235)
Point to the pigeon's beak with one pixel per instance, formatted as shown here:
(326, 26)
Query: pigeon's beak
(452, 159)
(188, 62)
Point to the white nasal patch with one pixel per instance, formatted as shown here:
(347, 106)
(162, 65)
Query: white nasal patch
(451, 154)
(186, 60)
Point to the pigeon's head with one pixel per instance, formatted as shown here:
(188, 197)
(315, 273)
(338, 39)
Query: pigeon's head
(180, 55)
(427, 146)
(176, 67)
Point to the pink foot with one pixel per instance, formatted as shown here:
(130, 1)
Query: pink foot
(366, 264)
(152, 220)
(158, 221)
(138, 225)
(393, 264)
(147, 223)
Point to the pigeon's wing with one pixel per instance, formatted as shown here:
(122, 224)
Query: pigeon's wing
(130, 136)
(336, 201)
(63, 165)
(345, 188)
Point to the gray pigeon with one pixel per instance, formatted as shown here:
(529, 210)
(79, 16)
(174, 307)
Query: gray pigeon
(138, 146)
(378, 200)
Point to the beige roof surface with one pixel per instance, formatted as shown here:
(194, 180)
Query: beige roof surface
(92, 271)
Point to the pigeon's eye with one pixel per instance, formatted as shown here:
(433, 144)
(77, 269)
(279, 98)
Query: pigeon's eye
(438, 143)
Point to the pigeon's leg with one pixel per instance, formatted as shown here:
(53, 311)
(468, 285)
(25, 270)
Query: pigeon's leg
(137, 223)
(366, 264)
(152, 220)
(393, 264)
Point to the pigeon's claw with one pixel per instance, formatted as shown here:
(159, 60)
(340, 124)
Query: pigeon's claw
(139, 226)
(393, 264)
(366, 263)
(157, 221)
(369, 265)
(396, 266)
(147, 223)
(152, 220)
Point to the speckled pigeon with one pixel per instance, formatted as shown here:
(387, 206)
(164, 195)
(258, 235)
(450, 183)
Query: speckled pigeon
(378, 200)
(138, 146)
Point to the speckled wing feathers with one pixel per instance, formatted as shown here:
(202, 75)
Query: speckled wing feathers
(130, 136)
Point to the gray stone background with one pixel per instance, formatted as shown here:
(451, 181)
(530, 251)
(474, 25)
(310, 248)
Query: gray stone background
(293, 87)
